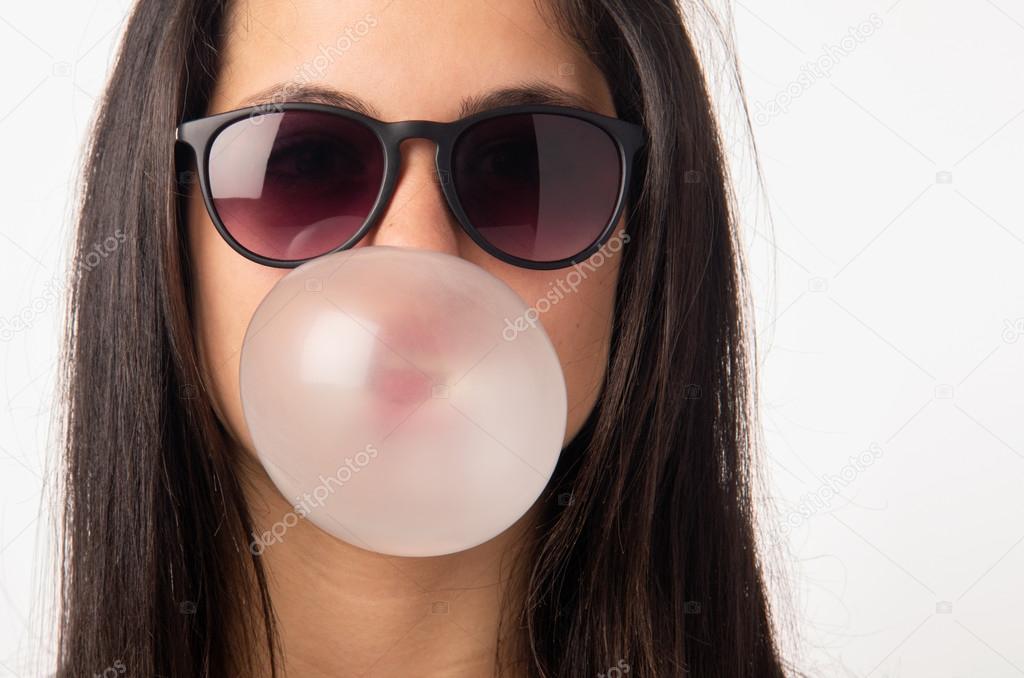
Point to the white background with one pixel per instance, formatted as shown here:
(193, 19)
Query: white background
(890, 293)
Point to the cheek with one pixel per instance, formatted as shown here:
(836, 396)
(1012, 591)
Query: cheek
(227, 288)
(580, 327)
(575, 306)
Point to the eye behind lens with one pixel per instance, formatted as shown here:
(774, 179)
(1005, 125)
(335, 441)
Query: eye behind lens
(296, 184)
(540, 187)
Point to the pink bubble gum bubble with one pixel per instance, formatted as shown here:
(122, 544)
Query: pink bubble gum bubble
(385, 397)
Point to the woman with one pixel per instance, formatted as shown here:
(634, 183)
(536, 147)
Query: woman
(638, 559)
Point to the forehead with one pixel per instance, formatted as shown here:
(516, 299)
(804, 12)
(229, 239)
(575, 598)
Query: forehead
(407, 59)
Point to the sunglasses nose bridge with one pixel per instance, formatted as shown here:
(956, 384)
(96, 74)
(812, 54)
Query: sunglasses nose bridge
(417, 129)
(411, 217)
(437, 132)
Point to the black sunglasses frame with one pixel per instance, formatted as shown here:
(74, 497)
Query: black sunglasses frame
(200, 134)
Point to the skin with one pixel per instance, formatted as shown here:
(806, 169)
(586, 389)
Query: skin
(342, 610)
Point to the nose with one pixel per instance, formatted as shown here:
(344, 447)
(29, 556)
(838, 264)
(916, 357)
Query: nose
(417, 215)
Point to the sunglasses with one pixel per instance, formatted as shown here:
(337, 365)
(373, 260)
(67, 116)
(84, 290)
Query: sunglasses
(536, 186)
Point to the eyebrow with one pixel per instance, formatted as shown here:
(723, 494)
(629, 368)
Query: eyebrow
(530, 94)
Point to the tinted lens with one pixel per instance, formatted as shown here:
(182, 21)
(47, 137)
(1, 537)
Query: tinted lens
(295, 184)
(538, 186)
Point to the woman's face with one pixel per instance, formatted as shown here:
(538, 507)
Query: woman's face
(406, 60)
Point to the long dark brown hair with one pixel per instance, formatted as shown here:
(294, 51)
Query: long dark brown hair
(646, 557)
